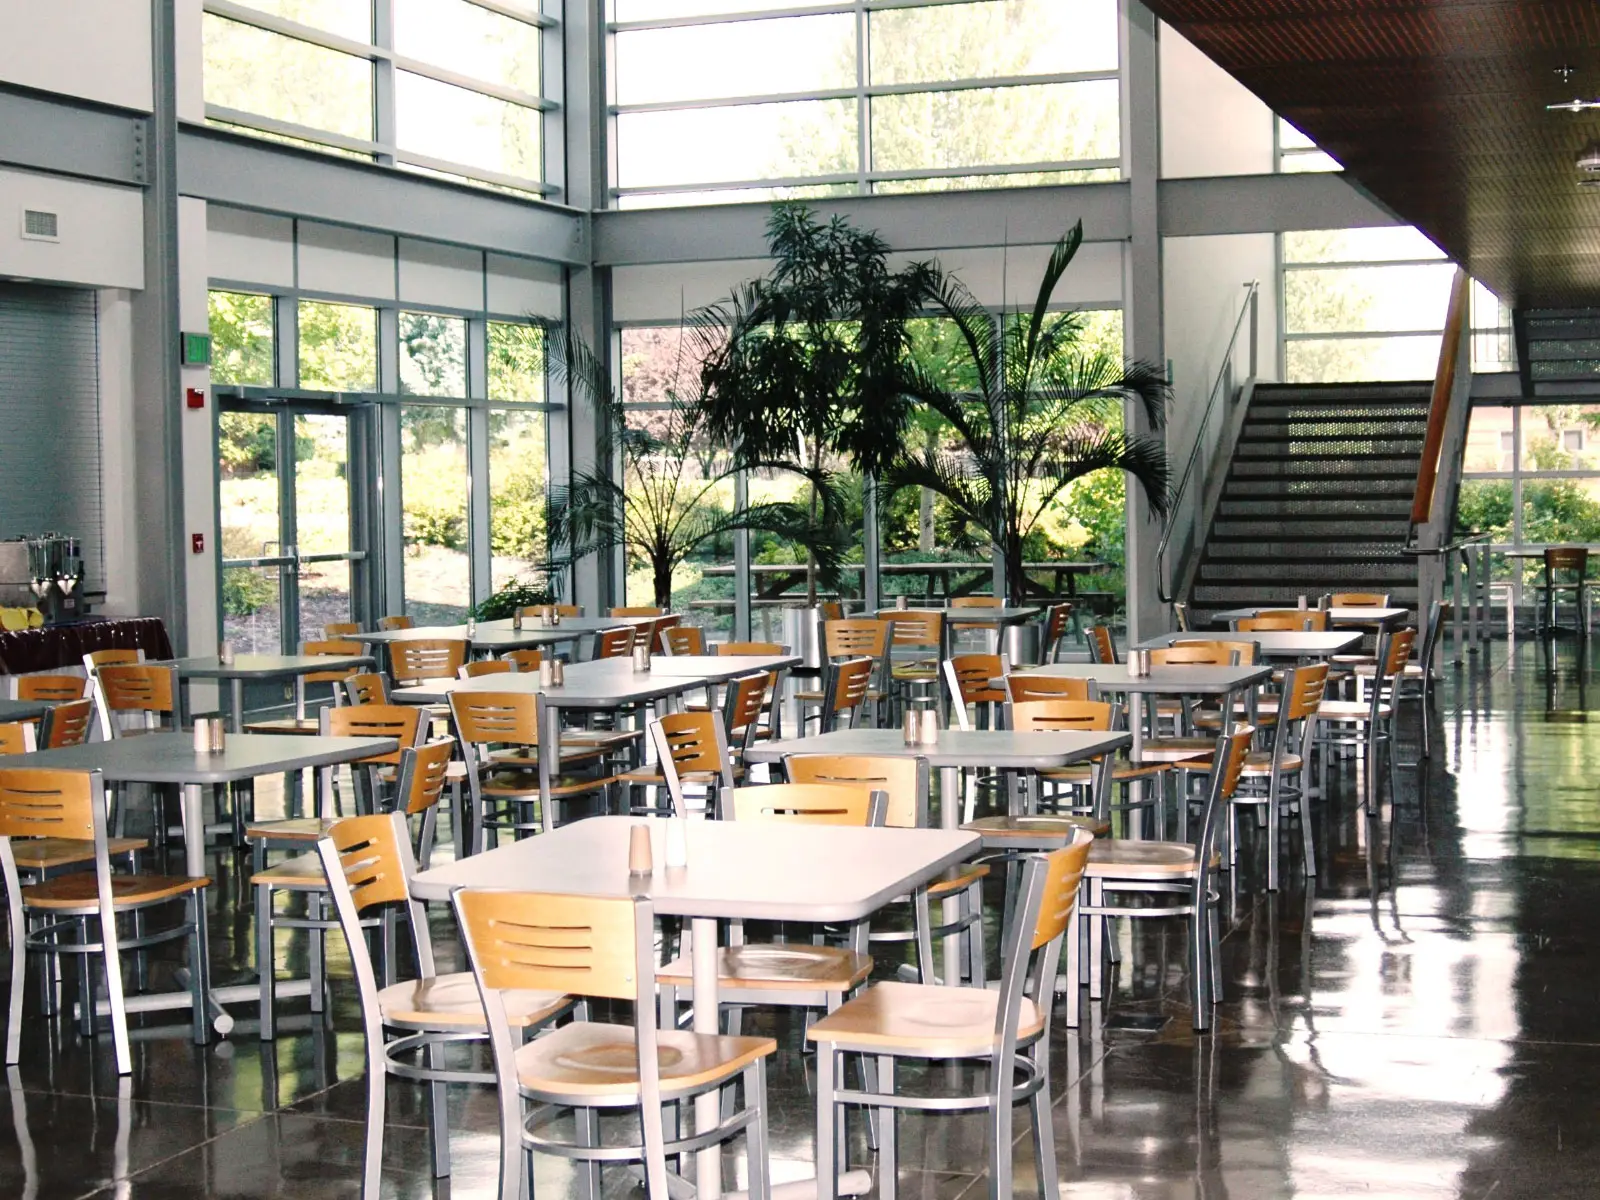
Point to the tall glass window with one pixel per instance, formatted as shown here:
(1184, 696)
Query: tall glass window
(466, 99)
(338, 347)
(915, 97)
(433, 355)
(519, 469)
(433, 483)
(241, 338)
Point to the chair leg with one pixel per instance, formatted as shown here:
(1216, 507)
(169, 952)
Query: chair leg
(315, 946)
(755, 1134)
(114, 1004)
(1274, 795)
(438, 1114)
(1214, 948)
(266, 967)
(586, 1122)
(1071, 968)
(976, 950)
(1199, 968)
(372, 1157)
(1000, 1125)
(1044, 1143)
(85, 982)
(19, 978)
(829, 1162)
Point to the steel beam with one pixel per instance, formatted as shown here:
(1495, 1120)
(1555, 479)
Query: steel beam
(1267, 204)
(66, 137)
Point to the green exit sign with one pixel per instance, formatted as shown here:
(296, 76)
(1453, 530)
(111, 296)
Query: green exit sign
(196, 350)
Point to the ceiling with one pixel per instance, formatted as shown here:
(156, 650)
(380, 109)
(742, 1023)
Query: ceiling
(1437, 109)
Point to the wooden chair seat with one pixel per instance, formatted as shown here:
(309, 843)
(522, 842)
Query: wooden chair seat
(1369, 669)
(652, 777)
(1352, 710)
(1212, 719)
(923, 1021)
(302, 873)
(452, 1002)
(600, 739)
(307, 726)
(78, 892)
(789, 967)
(916, 672)
(45, 854)
(873, 694)
(1114, 859)
(1033, 827)
(292, 829)
(528, 759)
(956, 879)
(1122, 771)
(590, 1058)
(1177, 749)
(519, 786)
(1257, 763)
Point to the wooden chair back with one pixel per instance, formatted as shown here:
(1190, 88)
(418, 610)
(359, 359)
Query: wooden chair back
(853, 637)
(1024, 687)
(743, 705)
(972, 678)
(1035, 716)
(692, 742)
(50, 689)
(903, 781)
(1309, 620)
(804, 804)
(832, 610)
(373, 856)
(655, 633)
(111, 658)
(1244, 652)
(485, 666)
(427, 658)
(422, 774)
(367, 687)
(16, 737)
(482, 718)
(1102, 646)
(402, 722)
(523, 660)
(1400, 643)
(529, 612)
(1063, 873)
(683, 639)
(45, 802)
(1057, 623)
(543, 942)
(335, 631)
(636, 610)
(732, 649)
(848, 685)
(332, 648)
(143, 689)
(391, 624)
(917, 629)
(614, 643)
(66, 725)
(1358, 600)
(1567, 558)
(1303, 689)
(1211, 654)
(976, 602)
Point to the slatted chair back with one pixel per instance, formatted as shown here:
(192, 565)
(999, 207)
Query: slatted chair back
(338, 630)
(43, 802)
(368, 687)
(804, 804)
(757, 649)
(1309, 620)
(1303, 689)
(614, 643)
(683, 639)
(1037, 716)
(1211, 654)
(1358, 600)
(1023, 686)
(903, 781)
(111, 658)
(971, 678)
(848, 685)
(1244, 652)
(855, 637)
(832, 610)
(1400, 643)
(332, 648)
(1102, 646)
(523, 660)
(402, 722)
(654, 632)
(745, 701)
(1057, 624)
(1063, 874)
(976, 602)
(503, 718)
(427, 658)
(542, 942)
(419, 783)
(917, 629)
(374, 858)
(636, 610)
(50, 689)
(395, 623)
(690, 743)
(16, 737)
(148, 693)
(485, 666)
(66, 725)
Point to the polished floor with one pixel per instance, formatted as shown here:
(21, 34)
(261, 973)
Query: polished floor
(1423, 1021)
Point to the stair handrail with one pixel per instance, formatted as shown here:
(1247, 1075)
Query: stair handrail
(1444, 381)
(1175, 502)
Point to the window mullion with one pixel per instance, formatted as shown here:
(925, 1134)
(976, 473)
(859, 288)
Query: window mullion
(383, 109)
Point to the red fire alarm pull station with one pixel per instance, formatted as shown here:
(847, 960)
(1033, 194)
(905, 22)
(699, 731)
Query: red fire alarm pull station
(197, 543)
(196, 397)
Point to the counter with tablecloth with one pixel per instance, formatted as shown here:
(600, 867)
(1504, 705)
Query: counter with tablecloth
(52, 647)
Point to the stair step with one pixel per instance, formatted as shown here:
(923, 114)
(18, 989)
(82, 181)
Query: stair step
(1240, 549)
(1320, 491)
(1321, 449)
(1316, 429)
(1359, 576)
(1348, 466)
(1306, 525)
(1421, 389)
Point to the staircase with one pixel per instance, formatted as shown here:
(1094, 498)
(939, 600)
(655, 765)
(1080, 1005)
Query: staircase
(1558, 351)
(1317, 497)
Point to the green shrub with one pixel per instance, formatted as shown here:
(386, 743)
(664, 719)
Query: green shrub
(435, 525)
(246, 591)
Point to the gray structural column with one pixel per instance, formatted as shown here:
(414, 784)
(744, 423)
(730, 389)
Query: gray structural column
(1141, 289)
(157, 381)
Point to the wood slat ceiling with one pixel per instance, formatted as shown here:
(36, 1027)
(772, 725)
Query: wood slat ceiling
(1438, 110)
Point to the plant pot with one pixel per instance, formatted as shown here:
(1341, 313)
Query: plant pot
(1020, 644)
(802, 633)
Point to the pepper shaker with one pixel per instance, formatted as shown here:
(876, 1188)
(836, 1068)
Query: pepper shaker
(558, 672)
(547, 672)
(913, 727)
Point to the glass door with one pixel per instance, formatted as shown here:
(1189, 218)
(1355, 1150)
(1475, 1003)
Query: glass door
(289, 550)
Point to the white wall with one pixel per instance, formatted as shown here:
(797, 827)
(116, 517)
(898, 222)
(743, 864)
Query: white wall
(197, 433)
(1211, 124)
(117, 465)
(94, 49)
(101, 230)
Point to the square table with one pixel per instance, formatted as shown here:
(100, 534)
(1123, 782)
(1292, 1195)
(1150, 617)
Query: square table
(999, 618)
(753, 870)
(24, 710)
(1383, 618)
(499, 635)
(263, 667)
(170, 758)
(1275, 643)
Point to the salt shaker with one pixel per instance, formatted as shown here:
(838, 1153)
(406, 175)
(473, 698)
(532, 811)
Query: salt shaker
(641, 658)
(677, 841)
(555, 616)
(202, 735)
(640, 860)
(1301, 605)
(472, 628)
(547, 672)
(225, 654)
(902, 603)
(516, 621)
(928, 726)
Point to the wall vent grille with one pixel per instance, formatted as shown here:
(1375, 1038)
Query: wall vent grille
(41, 226)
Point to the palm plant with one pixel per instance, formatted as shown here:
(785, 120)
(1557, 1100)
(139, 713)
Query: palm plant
(653, 490)
(1042, 413)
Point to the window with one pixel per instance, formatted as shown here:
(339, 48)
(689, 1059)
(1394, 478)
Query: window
(516, 362)
(338, 347)
(917, 97)
(433, 355)
(1572, 440)
(466, 100)
(241, 338)
(433, 470)
(1297, 152)
(519, 474)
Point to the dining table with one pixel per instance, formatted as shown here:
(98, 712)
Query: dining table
(1297, 645)
(242, 668)
(996, 618)
(736, 870)
(1359, 616)
(24, 710)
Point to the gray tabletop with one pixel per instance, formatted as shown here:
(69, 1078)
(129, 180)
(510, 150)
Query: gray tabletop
(969, 616)
(1275, 643)
(606, 683)
(23, 710)
(499, 635)
(1002, 748)
(266, 666)
(1162, 681)
(720, 667)
(171, 757)
(1337, 616)
(751, 870)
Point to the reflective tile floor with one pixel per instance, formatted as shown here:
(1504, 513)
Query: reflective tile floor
(1421, 1021)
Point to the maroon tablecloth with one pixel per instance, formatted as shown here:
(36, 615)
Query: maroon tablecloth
(49, 649)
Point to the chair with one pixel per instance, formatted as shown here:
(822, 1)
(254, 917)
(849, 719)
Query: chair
(420, 779)
(1022, 686)
(335, 631)
(637, 611)
(1293, 620)
(1102, 646)
(849, 686)
(958, 627)
(970, 681)
(66, 724)
(614, 643)
(1009, 1028)
(653, 633)
(310, 724)
(484, 666)
(1566, 571)
(16, 737)
(1303, 689)
(144, 695)
(111, 658)
(683, 639)
(393, 624)
(50, 688)
(919, 633)
(754, 649)
(366, 863)
(1060, 713)
(504, 787)
(1358, 600)
(904, 783)
(1057, 624)
(607, 951)
(850, 638)
(1180, 615)
(1418, 671)
(368, 687)
(415, 659)
(1175, 880)
(1369, 724)
(691, 750)
(524, 660)
(72, 805)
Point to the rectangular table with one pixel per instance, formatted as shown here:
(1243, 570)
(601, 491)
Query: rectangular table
(1383, 618)
(23, 710)
(262, 667)
(735, 870)
(997, 618)
(1275, 643)
(170, 758)
(499, 636)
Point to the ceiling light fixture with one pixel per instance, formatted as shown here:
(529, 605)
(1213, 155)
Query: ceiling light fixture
(1588, 159)
(1573, 106)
